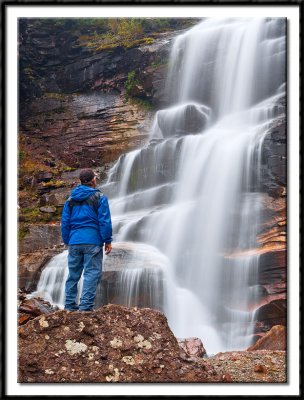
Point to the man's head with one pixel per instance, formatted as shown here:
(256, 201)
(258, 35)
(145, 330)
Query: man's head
(87, 177)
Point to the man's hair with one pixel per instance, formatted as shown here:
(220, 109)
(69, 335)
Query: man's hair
(86, 175)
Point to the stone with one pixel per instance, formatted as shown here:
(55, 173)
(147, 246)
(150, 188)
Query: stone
(274, 312)
(274, 339)
(182, 120)
(30, 266)
(48, 199)
(48, 209)
(30, 308)
(43, 176)
(40, 236)
(192, 348)
(274, 157)
(110, 353)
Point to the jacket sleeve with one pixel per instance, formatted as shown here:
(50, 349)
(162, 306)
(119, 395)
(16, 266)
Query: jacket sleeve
(65, 223)
(104, 219)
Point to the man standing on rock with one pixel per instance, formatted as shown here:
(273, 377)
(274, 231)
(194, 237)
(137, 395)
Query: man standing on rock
(85, 226)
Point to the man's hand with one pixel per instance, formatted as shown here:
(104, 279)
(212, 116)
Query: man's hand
(108, 248)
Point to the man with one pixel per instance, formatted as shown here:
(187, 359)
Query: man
(85, 226)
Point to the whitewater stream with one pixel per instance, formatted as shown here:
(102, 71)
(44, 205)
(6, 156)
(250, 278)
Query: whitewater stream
(186, 207)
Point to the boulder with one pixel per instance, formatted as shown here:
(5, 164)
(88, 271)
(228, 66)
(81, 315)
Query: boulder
(40, 236)
(192, 348)
(30, 308)
(111, 344)
(30, 267)
(43, 176)
(48, 209)
(183, 119)
(275, 339)
(270, 314)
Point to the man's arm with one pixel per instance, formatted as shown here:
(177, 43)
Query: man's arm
(105, 223)
(65, 223)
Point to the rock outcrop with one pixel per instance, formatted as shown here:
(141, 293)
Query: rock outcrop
(74, 109)
(119, 344)
(274, 339)
(63, 61)
(111, 344)
(30, 266)
(30, 308)
(81, 130)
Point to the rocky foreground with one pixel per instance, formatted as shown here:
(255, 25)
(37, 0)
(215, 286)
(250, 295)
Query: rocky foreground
(120, 344)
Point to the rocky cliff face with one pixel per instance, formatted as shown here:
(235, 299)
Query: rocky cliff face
(73, 99)
(272, 238)
(80, 107)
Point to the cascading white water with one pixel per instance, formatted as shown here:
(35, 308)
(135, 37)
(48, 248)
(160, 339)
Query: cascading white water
(193, 191)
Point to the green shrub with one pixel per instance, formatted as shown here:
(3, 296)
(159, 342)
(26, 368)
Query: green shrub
(130, 83)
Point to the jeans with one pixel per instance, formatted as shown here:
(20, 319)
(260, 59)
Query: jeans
(86, 258)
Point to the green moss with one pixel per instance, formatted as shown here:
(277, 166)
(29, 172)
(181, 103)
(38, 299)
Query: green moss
(123, 32)
(30, 214)
(54, 183)
(146, 104)
(21, 155)
(57, 96)
(67, 168)
(130, 83)
(159, 62)
(22, 231)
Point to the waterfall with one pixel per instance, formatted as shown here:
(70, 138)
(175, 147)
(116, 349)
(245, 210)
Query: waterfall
(193, 191)
(192, 194)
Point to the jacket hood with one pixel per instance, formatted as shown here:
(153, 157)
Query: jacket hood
(82, 192)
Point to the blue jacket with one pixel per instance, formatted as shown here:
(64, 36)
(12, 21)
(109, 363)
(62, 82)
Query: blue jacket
(81, 224)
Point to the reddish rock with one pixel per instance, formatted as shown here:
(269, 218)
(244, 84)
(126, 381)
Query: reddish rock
(31, 308)
(43, 176)
(275, 339)
(111, 344)
(23, 318)
(30, 267)
(251, 366)
(271, 314)
(91, 129)
(192, 348)
(261, 369)
(40, 237)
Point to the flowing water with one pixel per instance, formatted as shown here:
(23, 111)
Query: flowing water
(190, 199)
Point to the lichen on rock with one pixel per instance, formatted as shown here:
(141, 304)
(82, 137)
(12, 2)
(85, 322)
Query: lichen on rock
(128, 360)
(74, 347)
(115, 343)
(43, 322)
(113, 353)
